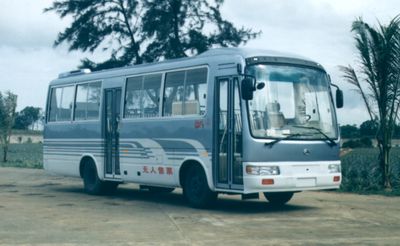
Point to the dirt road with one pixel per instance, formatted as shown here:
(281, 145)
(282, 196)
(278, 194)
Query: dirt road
(36, 208)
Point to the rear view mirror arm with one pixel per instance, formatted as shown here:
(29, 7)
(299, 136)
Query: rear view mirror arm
(336, 86)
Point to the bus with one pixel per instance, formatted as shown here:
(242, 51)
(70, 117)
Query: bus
(229, 120)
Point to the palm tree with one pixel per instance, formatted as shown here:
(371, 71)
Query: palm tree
(378, 81)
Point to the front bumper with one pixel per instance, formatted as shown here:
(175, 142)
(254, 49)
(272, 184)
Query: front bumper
(294, 176)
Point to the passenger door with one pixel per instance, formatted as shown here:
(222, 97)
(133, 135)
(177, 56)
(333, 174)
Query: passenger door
(227, 156)
(112, 116)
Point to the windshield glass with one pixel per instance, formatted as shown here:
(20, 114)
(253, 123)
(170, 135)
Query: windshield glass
(294, 101)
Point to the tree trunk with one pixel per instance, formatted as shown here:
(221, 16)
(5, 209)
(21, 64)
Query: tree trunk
(384, 158)
(134, 45)
(386, 154)
(5, 150)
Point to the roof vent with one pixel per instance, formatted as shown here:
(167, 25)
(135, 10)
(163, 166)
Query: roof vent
(74, 73)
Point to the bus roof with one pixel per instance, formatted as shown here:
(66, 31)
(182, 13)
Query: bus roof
(250, 55)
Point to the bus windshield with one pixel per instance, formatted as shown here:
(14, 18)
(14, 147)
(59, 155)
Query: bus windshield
(294, 104)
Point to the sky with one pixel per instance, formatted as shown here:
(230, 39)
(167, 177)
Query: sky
(317, 29)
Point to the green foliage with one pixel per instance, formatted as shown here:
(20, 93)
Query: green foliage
(379, 83)
(358, 143)
(28, 155)
(360, 171)
(137, 31)
(369, 128)
(396, 133)
(8, 104)
(349, 131)
(26, 117)
(177, 27)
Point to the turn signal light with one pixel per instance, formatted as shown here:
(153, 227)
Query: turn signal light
(267, 181)
(336, 178)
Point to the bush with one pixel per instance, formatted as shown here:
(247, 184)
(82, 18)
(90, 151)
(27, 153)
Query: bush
(360, 170)
(358, 143)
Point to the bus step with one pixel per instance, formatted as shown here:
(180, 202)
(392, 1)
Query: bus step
(250, 196)
(144, 187)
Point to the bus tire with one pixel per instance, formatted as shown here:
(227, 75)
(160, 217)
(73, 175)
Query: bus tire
(109, 187)
(92, 183)
(278, 198)
(196, 190)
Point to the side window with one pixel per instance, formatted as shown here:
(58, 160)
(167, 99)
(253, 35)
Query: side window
(151, 95)
(185, 92)
(54, 103)
(61, 103)
(133, 97)
(174, 93)
(93, 101)
(65, 109)
(142, 96)
(81, 101)
(196, 91)
(87, 102)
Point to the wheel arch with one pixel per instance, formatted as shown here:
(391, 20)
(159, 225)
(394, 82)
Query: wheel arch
(187, 163)
(84, 160)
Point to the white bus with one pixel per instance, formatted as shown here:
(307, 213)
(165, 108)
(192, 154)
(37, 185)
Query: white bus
(230, 120)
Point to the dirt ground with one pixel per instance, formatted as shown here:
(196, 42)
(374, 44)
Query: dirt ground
(36, 208)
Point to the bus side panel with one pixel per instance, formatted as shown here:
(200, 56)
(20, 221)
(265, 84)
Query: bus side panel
(152, 151)
(66, 143)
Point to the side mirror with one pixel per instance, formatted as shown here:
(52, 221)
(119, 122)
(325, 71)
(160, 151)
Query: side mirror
(339, 98)
(247, 89)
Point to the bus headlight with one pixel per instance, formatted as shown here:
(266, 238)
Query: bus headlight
(262, 170)
(334, 168)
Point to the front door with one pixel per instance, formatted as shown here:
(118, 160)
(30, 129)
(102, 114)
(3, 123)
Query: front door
(112, 102)
(228, 170)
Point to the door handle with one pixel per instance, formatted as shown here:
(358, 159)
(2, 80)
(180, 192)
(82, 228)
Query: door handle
(118, 123)
(109, 125)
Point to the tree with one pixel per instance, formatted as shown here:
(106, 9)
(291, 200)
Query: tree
(396, 133)
(26, 117)
(8, 104)
(177, 28)
(358, 143)
(378, 81)
(369, 128)
(349, 131)
(137, 31)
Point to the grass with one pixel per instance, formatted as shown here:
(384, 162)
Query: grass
(27, 155)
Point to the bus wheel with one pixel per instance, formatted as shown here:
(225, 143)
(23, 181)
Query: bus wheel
(109, 187)
(91, 182)
(196, 190)
(278, 198)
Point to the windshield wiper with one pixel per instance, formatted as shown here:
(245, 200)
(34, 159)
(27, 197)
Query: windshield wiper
(290, 136)
(330, 140)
